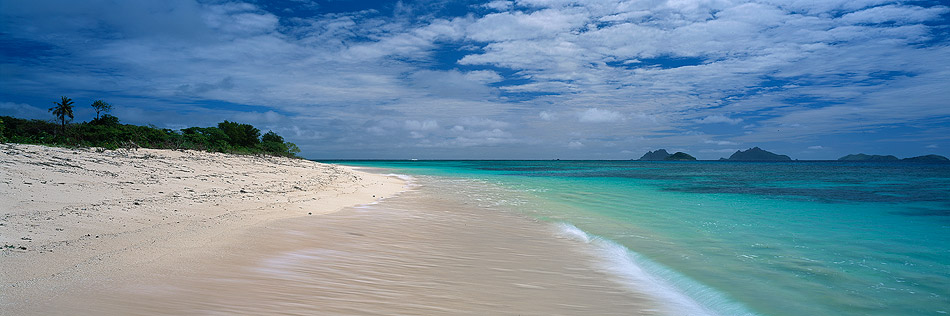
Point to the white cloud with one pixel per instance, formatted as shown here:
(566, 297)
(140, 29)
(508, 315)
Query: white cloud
(428, 125)
(654, 68)
(451, 84)
(483, 76)
(508, 26)
(552, 86)
(932, 146)
(817, 147)
(483, 122)
(713, 119)
(240, 19)
(720, 142)
(575, 145)
(894, 13)
(462, 137)
(500, 5)
(595, 115)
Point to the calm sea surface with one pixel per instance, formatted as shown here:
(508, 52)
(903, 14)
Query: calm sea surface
(729, 238)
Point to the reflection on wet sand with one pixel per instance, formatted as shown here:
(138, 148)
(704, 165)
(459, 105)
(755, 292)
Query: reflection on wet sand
(422, 253)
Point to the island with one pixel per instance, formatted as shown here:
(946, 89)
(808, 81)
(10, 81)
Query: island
(864, 157)
(680, 156)
(887, 158)
(927, 158)
(663, 155)
(756, 154)
(658, 155)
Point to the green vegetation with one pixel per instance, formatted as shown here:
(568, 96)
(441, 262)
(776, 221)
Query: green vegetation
(62, 110)
(101, 107)
(106, 131)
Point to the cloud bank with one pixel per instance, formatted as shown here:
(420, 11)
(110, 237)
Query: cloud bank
(423, 79)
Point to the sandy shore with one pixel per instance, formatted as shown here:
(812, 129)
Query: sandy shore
(153, 232)
(428, 251)
(73, 220)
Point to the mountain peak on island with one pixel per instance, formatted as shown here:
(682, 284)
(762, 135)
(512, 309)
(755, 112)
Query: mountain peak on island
(757, 154)
(680, 156)
(663, 155)
(659, 154)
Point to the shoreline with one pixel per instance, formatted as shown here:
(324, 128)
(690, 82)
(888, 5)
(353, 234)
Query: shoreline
(94, 218)
(170, 232)
(424, 252)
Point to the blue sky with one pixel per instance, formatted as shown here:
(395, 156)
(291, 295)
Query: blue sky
(524, 79)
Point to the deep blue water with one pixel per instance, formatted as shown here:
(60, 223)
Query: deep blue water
(790, 238)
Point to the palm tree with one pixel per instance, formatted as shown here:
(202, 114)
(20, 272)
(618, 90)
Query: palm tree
(62, 110)
(101, 106)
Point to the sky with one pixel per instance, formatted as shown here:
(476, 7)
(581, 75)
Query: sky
(523, 79)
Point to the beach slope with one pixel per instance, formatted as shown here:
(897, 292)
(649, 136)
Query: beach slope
(75, 219)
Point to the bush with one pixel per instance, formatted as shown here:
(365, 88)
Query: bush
(106, 120)
(240, 135)
(108, 132)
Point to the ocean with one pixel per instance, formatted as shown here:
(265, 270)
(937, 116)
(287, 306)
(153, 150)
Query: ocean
(735, 238)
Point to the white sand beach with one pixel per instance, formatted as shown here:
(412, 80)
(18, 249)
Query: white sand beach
(158, 232)
(72, 219)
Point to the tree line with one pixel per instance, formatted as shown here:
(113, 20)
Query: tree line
(107, 132)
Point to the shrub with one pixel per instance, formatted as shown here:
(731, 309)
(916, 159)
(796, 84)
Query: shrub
(107, 132)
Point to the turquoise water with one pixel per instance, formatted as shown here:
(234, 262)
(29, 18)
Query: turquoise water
(796, 238)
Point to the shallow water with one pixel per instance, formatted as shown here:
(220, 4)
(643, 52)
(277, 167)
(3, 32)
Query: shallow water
(800, 238)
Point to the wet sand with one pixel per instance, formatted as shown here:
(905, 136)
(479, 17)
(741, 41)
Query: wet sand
(421, 253)
(173, 233)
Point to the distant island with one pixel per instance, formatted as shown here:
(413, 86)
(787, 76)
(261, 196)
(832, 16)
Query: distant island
(663, 155)
(658, 155)
(864, 157)
(927, 158)
(756, 154)
(879, 158)
(759, 154)
(680, 156)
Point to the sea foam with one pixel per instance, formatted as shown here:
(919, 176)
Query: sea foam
(681, 295)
